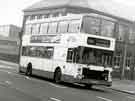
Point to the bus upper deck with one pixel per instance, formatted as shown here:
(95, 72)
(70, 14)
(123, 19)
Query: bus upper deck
(83, 23)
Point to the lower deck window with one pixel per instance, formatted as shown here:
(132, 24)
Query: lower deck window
(38, 51)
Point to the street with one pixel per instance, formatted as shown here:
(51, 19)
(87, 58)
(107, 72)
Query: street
(18, 87)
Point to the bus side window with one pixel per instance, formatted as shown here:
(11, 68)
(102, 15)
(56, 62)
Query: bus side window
(74, 26)
(70, 55)
(62, 27)
(25, 51)
(48, 52)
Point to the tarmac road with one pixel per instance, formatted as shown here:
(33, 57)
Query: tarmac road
(18, 87)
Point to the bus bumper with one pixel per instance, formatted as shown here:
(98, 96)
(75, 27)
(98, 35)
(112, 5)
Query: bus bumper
(94, 82)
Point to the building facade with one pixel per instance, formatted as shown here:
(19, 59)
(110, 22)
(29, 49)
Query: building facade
(121, 29)
(9, 42)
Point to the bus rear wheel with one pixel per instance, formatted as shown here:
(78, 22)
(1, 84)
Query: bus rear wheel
(29, 69)
(57, 75)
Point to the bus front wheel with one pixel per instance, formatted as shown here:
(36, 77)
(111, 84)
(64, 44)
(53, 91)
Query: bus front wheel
(88, 86)
(29, 69)
(57, 75)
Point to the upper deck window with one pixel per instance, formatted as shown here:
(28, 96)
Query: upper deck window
(35, 28)
(63, 26)
(52, 28)
(28, 29)
(91, 25)
(107, 28)
(74, 26)
(43, 28)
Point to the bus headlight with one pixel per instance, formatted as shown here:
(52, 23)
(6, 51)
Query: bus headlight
(79, 70)
(79, 73)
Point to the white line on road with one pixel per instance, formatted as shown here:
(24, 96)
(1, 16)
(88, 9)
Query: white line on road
(130, 97)
(54, 99)
(3, 71)
(28, 78)
(57, 85)
(9, 72)
(8, 82)
(6, 71)
(1, 83)
(105, 99)
(3, 66)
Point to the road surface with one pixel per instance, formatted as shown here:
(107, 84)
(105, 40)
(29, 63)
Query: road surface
(18, 87)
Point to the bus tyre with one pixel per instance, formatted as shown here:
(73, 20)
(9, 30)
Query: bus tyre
(57, 76)
(29, 69)
(88, 86)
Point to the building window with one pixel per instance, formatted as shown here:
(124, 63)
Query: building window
(118, 59)
(131, 36)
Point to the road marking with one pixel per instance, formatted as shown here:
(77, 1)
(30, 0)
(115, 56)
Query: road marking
(3, 66)
(8, 82)
(1, 83)
(3, 71)
(104, 99)
(79, 84)
(54, 99)
(130, 97)
(28, 78)
(57, 85)
(7, 72)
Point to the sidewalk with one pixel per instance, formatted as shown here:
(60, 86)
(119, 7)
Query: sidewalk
(10, 65)
(126, 86)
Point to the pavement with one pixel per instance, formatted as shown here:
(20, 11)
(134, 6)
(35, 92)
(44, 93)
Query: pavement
(125, 86)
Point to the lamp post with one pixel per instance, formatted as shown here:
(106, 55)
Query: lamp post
(124, 61)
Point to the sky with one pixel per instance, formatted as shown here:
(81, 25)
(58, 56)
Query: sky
(11, 11)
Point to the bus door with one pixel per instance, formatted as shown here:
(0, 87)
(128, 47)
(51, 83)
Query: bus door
(71, 65)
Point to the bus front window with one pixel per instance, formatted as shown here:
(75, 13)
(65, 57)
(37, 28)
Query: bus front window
(90, 25)
(96, 57)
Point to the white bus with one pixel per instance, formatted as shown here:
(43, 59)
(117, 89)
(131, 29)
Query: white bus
(60, 49)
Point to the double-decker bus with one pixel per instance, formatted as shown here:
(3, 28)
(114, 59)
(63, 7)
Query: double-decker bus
(62, 49)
